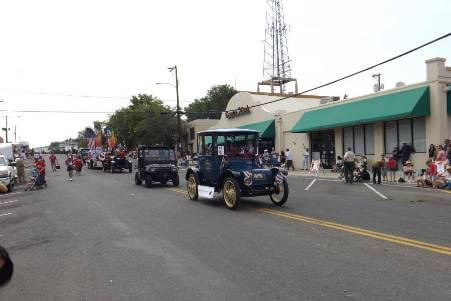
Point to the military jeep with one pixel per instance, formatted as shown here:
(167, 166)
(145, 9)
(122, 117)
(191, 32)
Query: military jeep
(156, 164)
(229, 163)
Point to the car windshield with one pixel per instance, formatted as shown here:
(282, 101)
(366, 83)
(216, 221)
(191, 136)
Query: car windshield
(159, 154)
(232, 145)
(3, 162)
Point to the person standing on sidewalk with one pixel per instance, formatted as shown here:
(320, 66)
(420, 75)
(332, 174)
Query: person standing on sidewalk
(289, 160)
(20, 170)
(306, 156)
(377, 166)
(349, 164)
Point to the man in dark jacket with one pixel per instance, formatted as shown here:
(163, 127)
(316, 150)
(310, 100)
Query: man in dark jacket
(405, 152)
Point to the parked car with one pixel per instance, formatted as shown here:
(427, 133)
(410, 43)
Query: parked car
(7, 173)
(228, 162)
(156, 164)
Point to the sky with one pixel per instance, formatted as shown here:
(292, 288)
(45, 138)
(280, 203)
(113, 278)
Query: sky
(50, 49)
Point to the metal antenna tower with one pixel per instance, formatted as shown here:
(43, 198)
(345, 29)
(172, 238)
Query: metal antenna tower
(276, 62)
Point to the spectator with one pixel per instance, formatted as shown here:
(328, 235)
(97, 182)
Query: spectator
(448, 153)
(384, 168)
(441, 155)
(306, 157)
(266, 156)
(6, 267)
(289, 160)
(405, 152)
(392, 167)
(282, 158)
(409, 172)
(447, 179)
(432, 152)
(40, 166)
(349, 165)
(376, 168)
(20, 170)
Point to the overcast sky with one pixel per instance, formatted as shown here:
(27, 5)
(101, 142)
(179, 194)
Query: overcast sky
(122, 48)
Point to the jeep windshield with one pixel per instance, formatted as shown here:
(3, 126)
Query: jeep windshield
(159, 155)
(3, 162)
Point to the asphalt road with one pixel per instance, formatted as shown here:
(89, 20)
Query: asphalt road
(101, 237)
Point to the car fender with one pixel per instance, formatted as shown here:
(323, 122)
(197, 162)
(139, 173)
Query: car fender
(229, 173)
(191, 170)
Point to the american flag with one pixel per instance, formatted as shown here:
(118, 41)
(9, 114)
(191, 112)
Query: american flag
(224, 163)
(280, 177)
(90, 138)
(247, 177)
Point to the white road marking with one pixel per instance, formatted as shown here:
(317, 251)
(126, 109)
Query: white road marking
(310, 185)
(377, 192)
(9, 194)
(8, 202)
(5, 214)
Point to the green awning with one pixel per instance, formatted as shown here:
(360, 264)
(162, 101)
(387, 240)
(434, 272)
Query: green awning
(266, 128)
(404, 104)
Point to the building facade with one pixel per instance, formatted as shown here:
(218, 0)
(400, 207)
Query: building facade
(194, 127)
(372, 125)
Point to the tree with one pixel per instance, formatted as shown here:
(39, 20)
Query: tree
(145, 121)
(212, 104)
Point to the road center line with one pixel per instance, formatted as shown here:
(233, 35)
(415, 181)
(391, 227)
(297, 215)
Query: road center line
(363, 232)
(310, 185)
(5, 214)
(377, 192)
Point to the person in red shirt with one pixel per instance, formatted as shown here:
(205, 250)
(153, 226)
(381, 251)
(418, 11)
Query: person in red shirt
(78, 165)
(53, 161)
(393, 167)
(70, 166)
(40, 166)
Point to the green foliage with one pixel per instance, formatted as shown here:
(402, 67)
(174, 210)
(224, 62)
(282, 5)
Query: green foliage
(213, 103)
(145, 121)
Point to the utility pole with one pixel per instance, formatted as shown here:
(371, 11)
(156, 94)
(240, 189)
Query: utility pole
(179, 129)
(6, 129)
(15, 133)
(378, 75)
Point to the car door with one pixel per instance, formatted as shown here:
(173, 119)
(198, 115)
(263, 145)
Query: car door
(209, 161)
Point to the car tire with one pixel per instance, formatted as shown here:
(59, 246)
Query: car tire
(148, 181)
(231, 193)
(138, 180)
(192, 187)
(176, 180)
(282, 196)
(130, 168)
(112, 169)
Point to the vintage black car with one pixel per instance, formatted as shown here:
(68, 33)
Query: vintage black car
(229, 163)
(156, 164)
(116, 163)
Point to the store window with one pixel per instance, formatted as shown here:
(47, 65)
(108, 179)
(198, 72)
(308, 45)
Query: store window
(359, 138)
(411, 131)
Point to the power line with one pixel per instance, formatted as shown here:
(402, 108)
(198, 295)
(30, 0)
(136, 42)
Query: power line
(86, 96)
(355, 73)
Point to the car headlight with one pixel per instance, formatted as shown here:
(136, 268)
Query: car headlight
(258, 176)
(113, 162)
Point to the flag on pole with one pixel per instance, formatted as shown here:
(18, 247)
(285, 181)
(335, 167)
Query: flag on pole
(90, 138)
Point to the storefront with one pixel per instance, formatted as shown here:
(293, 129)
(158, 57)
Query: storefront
(376, 124)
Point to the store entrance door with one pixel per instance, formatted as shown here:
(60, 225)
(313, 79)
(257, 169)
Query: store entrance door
(323, 147)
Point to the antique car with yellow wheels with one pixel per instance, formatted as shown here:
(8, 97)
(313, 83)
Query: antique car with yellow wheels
(228, 163)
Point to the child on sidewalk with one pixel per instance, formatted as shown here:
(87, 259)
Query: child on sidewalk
(392, 165)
